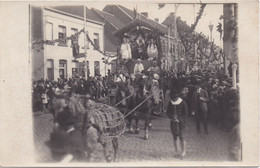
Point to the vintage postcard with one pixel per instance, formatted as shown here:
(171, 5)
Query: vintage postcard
(129, 83)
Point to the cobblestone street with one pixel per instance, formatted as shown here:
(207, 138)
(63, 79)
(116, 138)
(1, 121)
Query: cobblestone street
(159, 147)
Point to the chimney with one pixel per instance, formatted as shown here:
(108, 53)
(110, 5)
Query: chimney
(145, 14)
(156, 19)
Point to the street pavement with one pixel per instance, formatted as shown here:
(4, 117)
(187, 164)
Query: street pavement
(159, 147)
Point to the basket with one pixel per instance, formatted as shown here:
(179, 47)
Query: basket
(109, 119)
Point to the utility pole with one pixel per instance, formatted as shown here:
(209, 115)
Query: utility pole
(85, 46)
(194, 31)
(175, 37)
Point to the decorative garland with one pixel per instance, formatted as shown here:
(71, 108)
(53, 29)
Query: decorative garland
(198, 17)
(72, 37)
(188, 39)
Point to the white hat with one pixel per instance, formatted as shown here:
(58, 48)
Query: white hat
(156, 76)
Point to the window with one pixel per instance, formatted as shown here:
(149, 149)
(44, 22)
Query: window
(163, 47)
(62, 35)
(74, 66)
(82, 66)
(50, 70)
(63, 69)
(49, 31)
(96, 40)
(96, 68)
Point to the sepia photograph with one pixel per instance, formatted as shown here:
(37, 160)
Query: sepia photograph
(138, 82)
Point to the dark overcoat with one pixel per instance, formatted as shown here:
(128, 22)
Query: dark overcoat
(198, 105)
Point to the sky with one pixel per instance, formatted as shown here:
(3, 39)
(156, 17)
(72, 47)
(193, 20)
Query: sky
(187, 12)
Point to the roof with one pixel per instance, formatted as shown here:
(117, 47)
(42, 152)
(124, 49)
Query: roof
(169, 21)
(144, 19)
(140, 20)
(134, 23)
(109, 45)
(110, 18)
(78, 11)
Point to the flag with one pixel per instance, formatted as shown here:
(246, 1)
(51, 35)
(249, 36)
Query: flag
(161, 5)
(135, 13)
(219, 29)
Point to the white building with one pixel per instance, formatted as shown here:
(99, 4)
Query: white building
(56, 59)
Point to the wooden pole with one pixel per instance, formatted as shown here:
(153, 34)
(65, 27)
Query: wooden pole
(85, 47)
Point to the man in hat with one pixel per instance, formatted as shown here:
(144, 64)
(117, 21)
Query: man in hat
(154, 69)
(139, 67)
(177, 112)
(199, 107)
(66, 142)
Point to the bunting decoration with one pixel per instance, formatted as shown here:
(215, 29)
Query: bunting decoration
(205, 50)
(38, 45)
(198, 17)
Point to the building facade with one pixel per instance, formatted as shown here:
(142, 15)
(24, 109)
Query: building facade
(57, 58)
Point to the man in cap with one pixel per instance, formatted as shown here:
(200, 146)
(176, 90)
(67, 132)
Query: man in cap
(177, 112)
(139, 67)
(199, 107)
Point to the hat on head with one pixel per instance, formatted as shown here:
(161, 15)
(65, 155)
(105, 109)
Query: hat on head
(139, 60)
(199, 82)
(214, 86)
(156, 76)
(174, 93)
(126, 35)
(65, 118)
(224, 83)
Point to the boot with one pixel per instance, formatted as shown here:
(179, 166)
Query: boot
(137, 131)
(146, 136)
(183, 148)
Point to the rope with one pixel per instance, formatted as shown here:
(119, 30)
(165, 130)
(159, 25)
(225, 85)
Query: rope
(138, 105)
(153, 116)
(125, 98)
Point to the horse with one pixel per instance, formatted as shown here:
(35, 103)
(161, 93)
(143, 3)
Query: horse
(149, 103)
(92, 133)
(131, 103)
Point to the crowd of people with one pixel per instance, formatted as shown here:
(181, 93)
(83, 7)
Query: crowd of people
(222, 97)
(220, 101)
